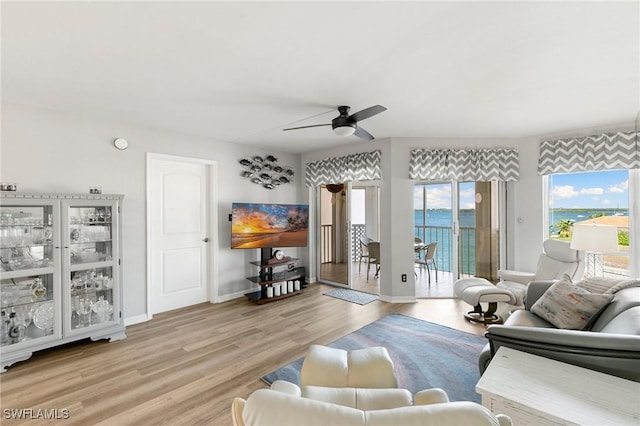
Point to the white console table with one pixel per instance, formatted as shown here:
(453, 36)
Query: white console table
(533, 390)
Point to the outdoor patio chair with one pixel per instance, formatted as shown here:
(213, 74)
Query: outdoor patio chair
(364, 250)
(429, 259)
(374, 258)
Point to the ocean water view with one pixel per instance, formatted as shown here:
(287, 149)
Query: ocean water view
(443, 217)
(579, 215)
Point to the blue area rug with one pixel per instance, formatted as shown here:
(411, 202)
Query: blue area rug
(425, 355)
(352, 296)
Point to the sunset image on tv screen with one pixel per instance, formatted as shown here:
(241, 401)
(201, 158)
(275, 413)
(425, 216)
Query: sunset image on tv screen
(269, 225)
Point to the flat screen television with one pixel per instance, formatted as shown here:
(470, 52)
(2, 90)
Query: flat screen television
(269, 225)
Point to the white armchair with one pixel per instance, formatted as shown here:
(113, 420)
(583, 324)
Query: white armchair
(287, 404)
(558, 259)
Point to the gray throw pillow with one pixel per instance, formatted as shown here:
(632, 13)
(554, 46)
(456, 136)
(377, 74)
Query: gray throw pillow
(568, 306)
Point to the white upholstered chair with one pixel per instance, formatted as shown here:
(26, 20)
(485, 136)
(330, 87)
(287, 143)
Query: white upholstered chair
(287, 404)
(557, 260)
(370, 367)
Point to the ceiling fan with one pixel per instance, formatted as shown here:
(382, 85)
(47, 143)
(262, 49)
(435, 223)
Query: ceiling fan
(347, 125)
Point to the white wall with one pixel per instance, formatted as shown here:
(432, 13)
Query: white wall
(47, 151)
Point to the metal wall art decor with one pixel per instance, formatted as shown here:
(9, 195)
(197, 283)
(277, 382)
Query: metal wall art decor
(266, 171)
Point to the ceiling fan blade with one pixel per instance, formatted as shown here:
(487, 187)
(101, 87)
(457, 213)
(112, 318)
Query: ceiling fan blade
(306, 127)
(367, 112)
(363, 134)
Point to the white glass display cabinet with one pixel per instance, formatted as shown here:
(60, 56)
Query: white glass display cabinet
(60, 276)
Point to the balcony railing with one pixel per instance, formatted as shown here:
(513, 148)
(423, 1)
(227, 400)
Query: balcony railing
(443, 256)
(442, 234)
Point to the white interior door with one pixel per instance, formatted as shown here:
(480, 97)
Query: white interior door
(179, 233)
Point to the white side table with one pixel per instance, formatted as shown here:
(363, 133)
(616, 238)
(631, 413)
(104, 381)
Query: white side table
(534, 390)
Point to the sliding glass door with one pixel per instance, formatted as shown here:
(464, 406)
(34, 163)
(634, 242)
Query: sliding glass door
(348, 216)
(462, 218)
(334, 238)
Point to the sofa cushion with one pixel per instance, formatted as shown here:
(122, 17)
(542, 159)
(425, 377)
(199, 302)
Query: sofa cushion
(607, 284)
(451, 413)
(569, 306)
(623, 300)
(524, 318)
(363, 399)
(628, 322)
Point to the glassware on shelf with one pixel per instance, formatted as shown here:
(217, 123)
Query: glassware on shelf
(103, 309)
(24, 315)
(14, 328)
(75, 317)
(9, 295)
(38, 288)
(4, 328)
(85, 306)
(43, 316)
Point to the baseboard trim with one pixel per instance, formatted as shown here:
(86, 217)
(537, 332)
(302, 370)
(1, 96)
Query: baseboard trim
(398, 299)
(236, 295)
(136, 319)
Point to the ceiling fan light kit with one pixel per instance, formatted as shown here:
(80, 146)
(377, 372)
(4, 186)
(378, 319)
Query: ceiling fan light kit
(346, 130)
(347, 125)
(266, 171)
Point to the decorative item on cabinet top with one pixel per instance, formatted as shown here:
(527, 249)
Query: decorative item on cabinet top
(45, 196)
(4, 186)
(266, 171)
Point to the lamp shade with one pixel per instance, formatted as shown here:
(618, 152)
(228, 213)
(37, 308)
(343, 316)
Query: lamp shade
(595, 238)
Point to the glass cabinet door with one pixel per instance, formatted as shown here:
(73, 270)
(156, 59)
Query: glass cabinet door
(89, 267)
(29, 290)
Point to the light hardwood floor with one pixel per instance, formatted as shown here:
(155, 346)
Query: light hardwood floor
(443, 288)
(186, 366)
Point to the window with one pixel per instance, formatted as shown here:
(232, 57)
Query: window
(599, 197)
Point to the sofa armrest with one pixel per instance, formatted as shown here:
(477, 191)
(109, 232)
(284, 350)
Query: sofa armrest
(570, 340)
(535, 290)
(515, 276)
(286, 387)
(430, 396)
(236, 411)
(615, 354)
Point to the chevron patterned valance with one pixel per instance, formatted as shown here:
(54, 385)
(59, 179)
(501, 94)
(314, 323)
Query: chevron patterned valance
(471, 165)
(607, 151)
(350, 168)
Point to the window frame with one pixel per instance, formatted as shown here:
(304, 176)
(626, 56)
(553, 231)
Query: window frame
(634, 214)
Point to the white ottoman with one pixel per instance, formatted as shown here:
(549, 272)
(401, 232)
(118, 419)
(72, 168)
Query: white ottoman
(475, 291)
(337, 368)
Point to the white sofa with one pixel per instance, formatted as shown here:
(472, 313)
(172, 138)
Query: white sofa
(287, 404)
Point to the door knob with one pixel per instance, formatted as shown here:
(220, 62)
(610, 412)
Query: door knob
(205, 239)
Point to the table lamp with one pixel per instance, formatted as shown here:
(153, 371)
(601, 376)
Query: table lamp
(595, 240)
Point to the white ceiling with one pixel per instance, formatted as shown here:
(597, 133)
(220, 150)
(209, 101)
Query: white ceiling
(240, 71)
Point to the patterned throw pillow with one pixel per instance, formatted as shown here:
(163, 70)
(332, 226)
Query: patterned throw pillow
(568, 306)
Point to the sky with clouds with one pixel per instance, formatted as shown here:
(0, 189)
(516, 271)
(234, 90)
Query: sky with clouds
(606, 189)
(439, 196)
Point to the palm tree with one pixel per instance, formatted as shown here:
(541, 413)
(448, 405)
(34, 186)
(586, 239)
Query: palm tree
(564, 227)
